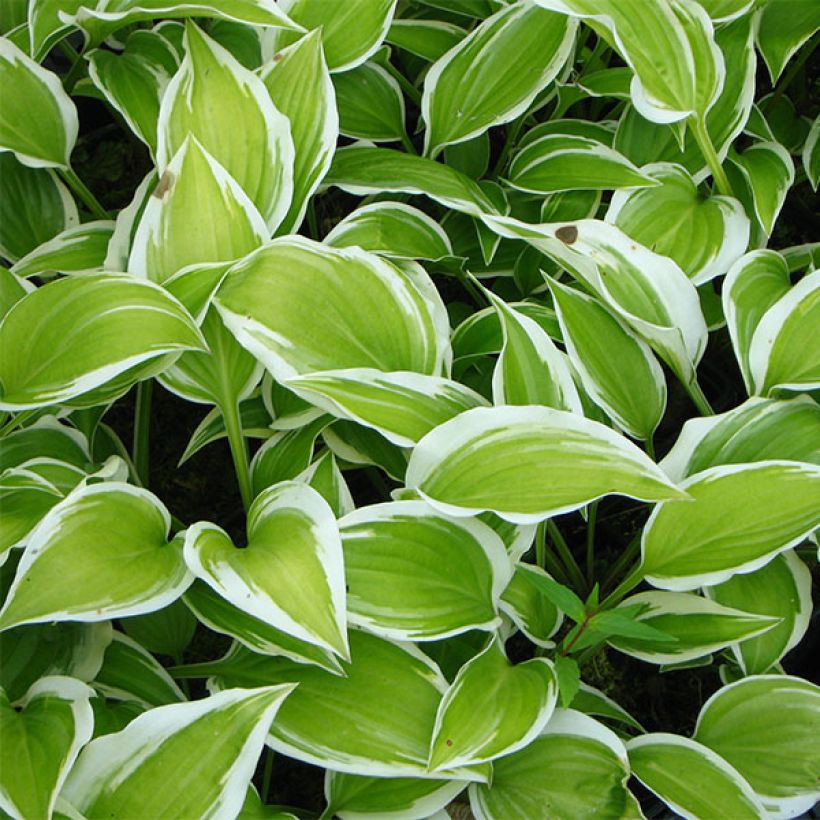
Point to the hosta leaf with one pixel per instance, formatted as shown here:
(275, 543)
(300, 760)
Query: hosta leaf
(781, 589)
(811, 154)
(739, 518)
(401, 561)
(492, 709)
(559, 162)
(46, 438)
(722, 11)
(428, 39)
(227, 225)
(617, 369)
(592, 701)
(12, 290)
(660, 218)
(46, 27)
(515, 461)
(326, 478)
(531, 611)
(607, 82)
(356, 444)
(494, 73)
(38, 120)
(365, 170)
(757, 430)
(402, 406)
(353, 723)
(135, 772)
(784, 26)
(785, 349)
(379, 318)
(34, 207)
(214, 98)
(71, 569)
(131, 673)
(658, 759)
(40, 738)
(351, 795)
(244, 42)
(678, 69)
(78, 249)
(577, 767)
(661, 307)
(530, 369)
(299, 85)
(370, 103)
(168, 631)
(697, 625)
(291, 574)
(134, 81)
(392, 229)
(777, 714)
(258, 636)
(110, 323)
(350, 33)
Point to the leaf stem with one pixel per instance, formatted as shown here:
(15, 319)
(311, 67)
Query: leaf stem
(696, 394)
(267, 775)
(142, 430)
(545, 559)
(407, 144)
(19, 418)
(239, 450)
(406, 85)
(592, 513)
(564, 552)
(624, 560)
(707, 148)
(86, 197)
(629, 583)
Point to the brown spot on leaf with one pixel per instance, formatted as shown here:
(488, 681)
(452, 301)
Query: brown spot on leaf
(166, 182)
(568, 234)
(449, 742)
(277, 57)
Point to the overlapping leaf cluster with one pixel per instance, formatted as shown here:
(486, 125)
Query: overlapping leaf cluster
(622, 213)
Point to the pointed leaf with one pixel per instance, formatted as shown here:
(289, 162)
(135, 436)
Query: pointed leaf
(784, 26)
(370, 103)
(428, 39)
(531, 610)
(768, 170)
(168, 631)
(76, 250)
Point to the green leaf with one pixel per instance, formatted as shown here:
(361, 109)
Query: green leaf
(392, 229)
(592, 701)
(135, 772)
(12, 290)
(168, 631)
(811, 154)
(569, 678)
(226, 228)
(658, 760)
(291, 574)
(401, 562)
(402, 406)
(576, 768)
(351, 795)
(529, 606)
(739, 518)
(607, 82)
(45, 438)
(493, 75)
(370, 103)
(781, 589)
(513, 461)
(71, 569)
(46, 27)
(34, 207)
(767, 728)
(618, 370)
(364, 170)
(428, 39)
(380, 319)
(38, 120)
(784, 26)
(326, 478)
(350, 34)
(134, 81)
(563, 598)
(40, 738)
(139, 322)
(560, 162)
(691, 627)
(492, 709)
(300, 86)
(76, 250)
(212, 99)
(660, 218)
(356, 444)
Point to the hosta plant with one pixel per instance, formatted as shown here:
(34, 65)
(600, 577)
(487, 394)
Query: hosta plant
(408, 408)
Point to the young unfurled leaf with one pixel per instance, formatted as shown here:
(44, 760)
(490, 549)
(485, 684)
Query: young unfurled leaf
(401, 559)
(379, 318)
(402, 406)
(40, 738)
(513, 461)
(325, 476)
(658, 760)
(77, 250)
(530, 606)
(739, 518)
(291, 574)
(300, 86)
(110, 323)
(781, 589)
(38, 120)
(214, 99)
(71, 569)
(492, 709)
(135, 772)
(226, 227)
(494, 73)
